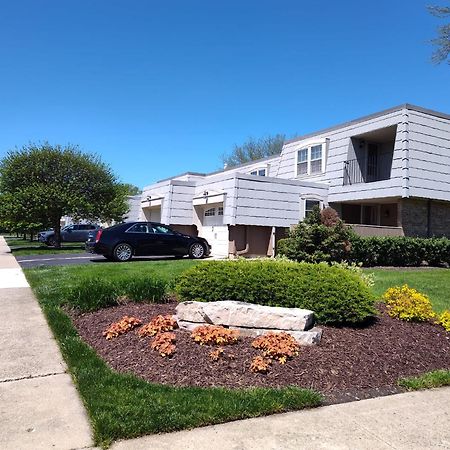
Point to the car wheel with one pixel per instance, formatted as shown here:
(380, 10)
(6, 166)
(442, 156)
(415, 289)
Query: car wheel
(51, 241)
(196, 251)
(123, 252)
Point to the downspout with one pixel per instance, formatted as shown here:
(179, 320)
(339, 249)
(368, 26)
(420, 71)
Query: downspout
(169, 206)
(405, 154)
(247, 246)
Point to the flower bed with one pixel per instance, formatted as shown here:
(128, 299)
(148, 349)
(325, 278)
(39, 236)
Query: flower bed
(349, 362)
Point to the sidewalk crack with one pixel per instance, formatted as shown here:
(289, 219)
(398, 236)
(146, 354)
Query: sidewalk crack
(31, 377)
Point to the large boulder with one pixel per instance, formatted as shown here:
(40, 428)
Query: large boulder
(250, 319)
(240, 314)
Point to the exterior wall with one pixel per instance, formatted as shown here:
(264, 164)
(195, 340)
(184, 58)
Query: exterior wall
(423, 218)
(374, 230)
(339, 148)
(273, 202)
(429, 156)
(134, 203)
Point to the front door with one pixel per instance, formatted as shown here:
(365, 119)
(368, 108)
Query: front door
(372, 162)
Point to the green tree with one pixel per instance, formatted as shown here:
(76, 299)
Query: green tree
(254, 149)
(131, 189)
(442, 41)
(39, 184)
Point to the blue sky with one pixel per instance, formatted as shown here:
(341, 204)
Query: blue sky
(161, 87)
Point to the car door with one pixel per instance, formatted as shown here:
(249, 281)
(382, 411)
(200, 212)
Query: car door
(169, 242)
(143, 240)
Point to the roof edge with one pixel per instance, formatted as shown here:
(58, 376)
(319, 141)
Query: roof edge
(371, 116)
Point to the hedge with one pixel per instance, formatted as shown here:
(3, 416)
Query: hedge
(372, 251)
(336, 295)
(400, 251)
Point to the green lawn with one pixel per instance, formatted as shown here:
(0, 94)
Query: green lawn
(20, 246)
(433, 282)
(124, 406)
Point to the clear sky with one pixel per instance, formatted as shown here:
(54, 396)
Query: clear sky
(162, 87)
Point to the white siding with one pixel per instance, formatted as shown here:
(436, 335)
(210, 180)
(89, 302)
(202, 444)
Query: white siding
(338, 150)
(429, 156)
(273, 202)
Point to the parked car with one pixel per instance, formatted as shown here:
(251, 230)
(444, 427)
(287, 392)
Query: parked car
(69, 233)
(123, 241)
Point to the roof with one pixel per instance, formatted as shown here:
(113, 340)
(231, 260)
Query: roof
(372, 116)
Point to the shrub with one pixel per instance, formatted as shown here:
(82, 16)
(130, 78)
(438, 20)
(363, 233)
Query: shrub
(164, 344)
(444, 320)
(406, 303)
(158, 324)
(336, 295)
(280, 346)
(123, 326)
(94, 293)
(214, 335)
(400, 251)
(367, 278)
(260, 364)
(322, 236)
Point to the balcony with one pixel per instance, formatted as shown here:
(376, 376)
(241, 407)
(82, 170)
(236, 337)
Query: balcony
(374, 167)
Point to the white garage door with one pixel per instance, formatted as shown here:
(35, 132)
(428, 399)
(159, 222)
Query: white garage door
(217, 236)
(214, 231)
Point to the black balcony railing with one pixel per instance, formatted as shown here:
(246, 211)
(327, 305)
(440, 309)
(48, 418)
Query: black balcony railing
(374, 168)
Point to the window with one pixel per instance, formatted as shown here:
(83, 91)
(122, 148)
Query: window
(138, 228)
(309, 206)
(302, 162)
(316, 159)
(310, 160)
(159, 229)
(259, 172)
(210, 212)
(220, 211)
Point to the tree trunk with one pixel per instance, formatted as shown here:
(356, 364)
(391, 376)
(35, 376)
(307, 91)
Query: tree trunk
(57, 229)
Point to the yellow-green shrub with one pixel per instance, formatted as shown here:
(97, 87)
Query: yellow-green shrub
(406, 303)
(444, 319)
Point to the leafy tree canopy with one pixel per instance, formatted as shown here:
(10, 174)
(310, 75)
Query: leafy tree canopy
(41, 183)
(442, 41)
(254, 149)
(131, 189)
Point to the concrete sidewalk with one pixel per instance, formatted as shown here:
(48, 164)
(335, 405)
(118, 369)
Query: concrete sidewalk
(415, 420)
(39, 405)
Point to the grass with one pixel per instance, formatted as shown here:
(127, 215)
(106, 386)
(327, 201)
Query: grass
(432, 282)
(123, 406)
(20, 246)
(437, 378)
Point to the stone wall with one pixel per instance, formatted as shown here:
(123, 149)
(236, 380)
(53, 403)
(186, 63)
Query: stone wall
(422, 217)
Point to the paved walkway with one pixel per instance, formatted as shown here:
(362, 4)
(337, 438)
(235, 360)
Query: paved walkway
(39, 405)
(416, 420)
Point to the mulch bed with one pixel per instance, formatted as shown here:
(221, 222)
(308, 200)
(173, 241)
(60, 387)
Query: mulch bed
(349, 363)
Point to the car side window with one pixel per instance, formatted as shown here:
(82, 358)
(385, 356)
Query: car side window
(159, 229)
(138, 228)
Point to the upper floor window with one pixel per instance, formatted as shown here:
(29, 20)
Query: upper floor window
(210, 212)
(220, 211)
(259, 172)
(310, 160)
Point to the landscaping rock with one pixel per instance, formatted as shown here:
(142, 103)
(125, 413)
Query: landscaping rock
(240, 314)
(250, 319)
(310, 337)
